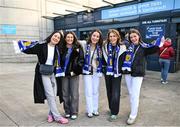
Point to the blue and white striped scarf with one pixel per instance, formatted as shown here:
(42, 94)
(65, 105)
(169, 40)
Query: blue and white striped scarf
(112, 64)
(59, 70)
(24, 45)
(130, 53)
(87, 63)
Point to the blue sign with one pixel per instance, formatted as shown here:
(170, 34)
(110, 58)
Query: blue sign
(119, 12)
(154, 31)
(140, 8)
(155, 6)
(177, 4)
(8, 29)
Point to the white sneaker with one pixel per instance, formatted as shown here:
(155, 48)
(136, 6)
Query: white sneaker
(90, 115)
(67, 115)
(96, 113)
(161, 80)
(164, 82)
(73, 117)
(131, 121)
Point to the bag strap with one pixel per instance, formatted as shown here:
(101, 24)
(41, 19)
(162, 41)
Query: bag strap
(163, 51)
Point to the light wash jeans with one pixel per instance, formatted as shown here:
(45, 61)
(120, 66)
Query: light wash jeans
(50, 87)
(164, 64)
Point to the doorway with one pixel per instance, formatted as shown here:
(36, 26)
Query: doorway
(178, 47)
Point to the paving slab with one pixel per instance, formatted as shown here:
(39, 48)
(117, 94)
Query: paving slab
(159, 104)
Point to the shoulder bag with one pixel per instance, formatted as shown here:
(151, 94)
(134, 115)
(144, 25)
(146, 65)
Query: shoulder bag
(45, 69)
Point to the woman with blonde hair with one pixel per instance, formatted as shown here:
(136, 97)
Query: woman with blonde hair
(113, 55)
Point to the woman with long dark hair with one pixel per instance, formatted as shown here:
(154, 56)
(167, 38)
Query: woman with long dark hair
(92, 71)
(45, 86)
(72, 63)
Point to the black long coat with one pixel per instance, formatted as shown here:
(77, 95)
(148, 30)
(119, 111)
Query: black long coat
(76, 60)
(39, 94)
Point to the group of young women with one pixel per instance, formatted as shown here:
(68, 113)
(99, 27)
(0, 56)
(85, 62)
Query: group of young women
(92, 58)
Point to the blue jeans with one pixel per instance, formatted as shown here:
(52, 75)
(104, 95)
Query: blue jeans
(164, 64)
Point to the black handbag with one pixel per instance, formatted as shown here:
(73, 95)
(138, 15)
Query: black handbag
(45, 69)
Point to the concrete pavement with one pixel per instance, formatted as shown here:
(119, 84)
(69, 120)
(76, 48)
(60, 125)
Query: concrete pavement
(159, 104)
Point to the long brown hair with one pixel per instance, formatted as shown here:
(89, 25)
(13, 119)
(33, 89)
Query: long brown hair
(48, 39)
(100, 42)
(75, 43)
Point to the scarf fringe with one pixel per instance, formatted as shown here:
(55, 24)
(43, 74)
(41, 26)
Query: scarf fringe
(117, 75)
(99, 74)
(126, 68)
(109, 73)
(86, 72)
(60, 74)
(16, 47)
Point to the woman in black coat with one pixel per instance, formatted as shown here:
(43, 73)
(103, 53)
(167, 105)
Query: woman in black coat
(45, 86)
(72, 63)
(136, 69)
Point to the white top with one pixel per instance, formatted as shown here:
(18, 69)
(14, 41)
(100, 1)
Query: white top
(50, 56)
(94, 59)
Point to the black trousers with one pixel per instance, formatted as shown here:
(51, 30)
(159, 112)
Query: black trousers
(113, 88)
